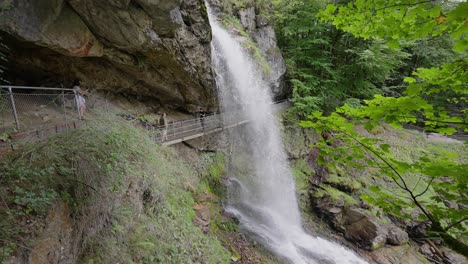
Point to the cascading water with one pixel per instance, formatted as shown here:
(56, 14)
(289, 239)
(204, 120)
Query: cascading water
(261, 193)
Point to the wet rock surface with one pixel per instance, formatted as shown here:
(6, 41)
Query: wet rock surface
(396, 236)
(397, 255)
(262, 33)
(359, 225)
(152, 49)
(364, 229)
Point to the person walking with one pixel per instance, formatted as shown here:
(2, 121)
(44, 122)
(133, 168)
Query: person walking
(80, 101)
(201, 116)
(163, 124)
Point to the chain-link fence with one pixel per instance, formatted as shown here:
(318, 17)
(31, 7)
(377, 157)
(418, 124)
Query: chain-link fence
(23, 108)
(36, 113)
(7, 120)
(26, 107)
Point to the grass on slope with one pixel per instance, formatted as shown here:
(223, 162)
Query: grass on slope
(130, 199)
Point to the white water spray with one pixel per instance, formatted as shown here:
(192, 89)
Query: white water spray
(262, 192)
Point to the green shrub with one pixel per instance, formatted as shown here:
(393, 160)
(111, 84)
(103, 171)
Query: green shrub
(108, 172)
(335, 195)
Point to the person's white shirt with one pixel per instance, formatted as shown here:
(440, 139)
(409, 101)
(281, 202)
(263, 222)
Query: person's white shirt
(80, 100)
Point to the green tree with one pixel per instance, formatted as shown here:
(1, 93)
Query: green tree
(441, 182)
(328, 66)
(434, 97)
(440, 91)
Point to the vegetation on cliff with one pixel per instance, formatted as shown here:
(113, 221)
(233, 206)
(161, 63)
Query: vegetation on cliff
(106, 193)
(375, 58)
(120, 198)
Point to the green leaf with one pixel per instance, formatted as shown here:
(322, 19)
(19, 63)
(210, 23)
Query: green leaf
(410, 80)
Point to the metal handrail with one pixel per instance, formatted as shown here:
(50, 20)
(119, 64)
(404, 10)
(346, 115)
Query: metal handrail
(174, 130)
(209, 125)
(35, 88)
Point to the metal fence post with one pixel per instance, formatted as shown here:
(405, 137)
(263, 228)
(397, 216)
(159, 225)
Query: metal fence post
(64, 110)
(107, 109)
(13, 106)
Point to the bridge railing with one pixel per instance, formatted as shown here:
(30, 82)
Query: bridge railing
(191, 128)
(186, 128)
(38, 112)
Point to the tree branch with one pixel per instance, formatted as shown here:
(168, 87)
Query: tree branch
(427, 187)
(456, 223)
(417, 183)
(397, 5)
(404, 186)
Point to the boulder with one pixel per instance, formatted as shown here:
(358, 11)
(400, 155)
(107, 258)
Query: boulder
(332, 211)
(397, 255)
(365, 230)
(371, 232)
(396, 236)
(418, 229)
(427, 250)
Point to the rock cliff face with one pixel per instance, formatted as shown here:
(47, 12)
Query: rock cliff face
(254, 23)
(150, 48)
(264, 35)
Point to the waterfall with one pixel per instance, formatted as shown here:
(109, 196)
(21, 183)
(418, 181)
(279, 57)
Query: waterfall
(261, 192)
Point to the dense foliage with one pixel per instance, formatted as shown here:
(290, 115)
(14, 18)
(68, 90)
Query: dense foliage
(329, 66)
(395, 62)
(436, 92)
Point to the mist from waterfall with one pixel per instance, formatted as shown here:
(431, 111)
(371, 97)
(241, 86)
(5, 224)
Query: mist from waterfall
(261, 191)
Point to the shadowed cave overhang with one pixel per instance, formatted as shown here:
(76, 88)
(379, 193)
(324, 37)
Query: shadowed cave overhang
(156, 49)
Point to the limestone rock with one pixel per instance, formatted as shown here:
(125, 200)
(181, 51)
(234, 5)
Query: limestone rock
(155, 49)
(427, 250)
(365, 230)
(332, 211)
(396, 236)
(297, 140)
(264, 36)
(261, 21)
(51, 24)
(358, 225)
(165, 14)
(453, 257)
(397, 255)
(247, 18)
